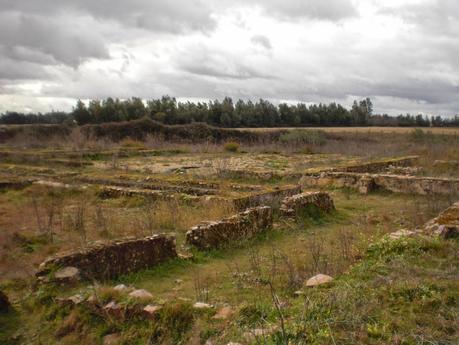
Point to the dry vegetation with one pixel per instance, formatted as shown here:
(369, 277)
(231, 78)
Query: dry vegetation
(400, 293)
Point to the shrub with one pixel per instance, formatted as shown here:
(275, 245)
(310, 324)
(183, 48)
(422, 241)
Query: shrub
(231, 146)
(132, 144)
(301, 136)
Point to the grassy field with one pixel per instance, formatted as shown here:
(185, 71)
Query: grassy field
(393, 130)
(383, 292)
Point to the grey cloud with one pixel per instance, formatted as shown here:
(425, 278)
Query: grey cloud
(50, 40)
(333, 10)
(202, 61)
(158, 15)
(262, 41)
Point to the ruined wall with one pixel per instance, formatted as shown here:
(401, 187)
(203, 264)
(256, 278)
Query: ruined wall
(294, 204)
(267, 198)
(365, 183)
(244, 225)
(446, 225)
(109, 260)
(379, 166)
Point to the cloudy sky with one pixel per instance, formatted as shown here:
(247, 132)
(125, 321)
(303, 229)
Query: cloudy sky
(404, 54)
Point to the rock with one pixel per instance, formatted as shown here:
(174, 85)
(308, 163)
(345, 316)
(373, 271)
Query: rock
(121, 287)
(201, 305)
(187, 256)
(259, 332)
(5, 304)
(298, 293)
(224, 313)
(66, 275)
(114, 309)
(112, 339)
(141, 294)
(233, 343)
(178, 281)
(401, 233)
(318, 280)
(151, 311)
(70, 301)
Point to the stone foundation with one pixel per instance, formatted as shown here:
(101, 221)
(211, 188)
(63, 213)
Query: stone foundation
(446, 225)
(268, 198)
(229, 231)
(365, 183)
(109, 260)
(294, 204)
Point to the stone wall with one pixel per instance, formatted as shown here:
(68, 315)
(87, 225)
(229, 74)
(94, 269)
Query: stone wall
(446, 225)
(294, 204)
(378, 166)
(267, 198)
(108, 260)
(365, 183)
(228, 231)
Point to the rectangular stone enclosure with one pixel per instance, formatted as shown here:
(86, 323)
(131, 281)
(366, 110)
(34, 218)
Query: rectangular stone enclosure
(109, 260)
(292, 205)
(232, 230)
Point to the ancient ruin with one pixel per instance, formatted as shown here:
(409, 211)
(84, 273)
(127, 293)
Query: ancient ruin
(109, 260)
(366, 183)
(296, 203)
(240, 227)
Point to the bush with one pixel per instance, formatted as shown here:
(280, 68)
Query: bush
(300, 136)
(231, 146)
(132, 144)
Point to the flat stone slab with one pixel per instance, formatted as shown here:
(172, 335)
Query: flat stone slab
(319, 279)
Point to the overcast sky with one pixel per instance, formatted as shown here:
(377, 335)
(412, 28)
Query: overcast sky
(404, 54)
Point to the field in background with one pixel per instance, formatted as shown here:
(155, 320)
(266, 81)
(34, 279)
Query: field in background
(395, 130)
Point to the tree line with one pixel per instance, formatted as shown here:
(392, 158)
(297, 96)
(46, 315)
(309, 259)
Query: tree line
(226, 113)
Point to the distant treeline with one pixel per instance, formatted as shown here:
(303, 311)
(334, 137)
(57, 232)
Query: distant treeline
(226, 113)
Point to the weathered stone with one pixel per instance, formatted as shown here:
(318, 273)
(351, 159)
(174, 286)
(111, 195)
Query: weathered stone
(253, 334)
(151, 311)
(267, 198)
(201, 305)
(67, 275)
(223, 313)
(112, 339)
(5, 304)
(393, 183)
(446, 225)
(318, 280)
(240, 227)
(141, 294)
(109, 260)
(401, 233)
(114, 310)
(121, 287)
(70, 301)
(291, 205)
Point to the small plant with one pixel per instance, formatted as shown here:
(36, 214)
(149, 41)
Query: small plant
(231, 146)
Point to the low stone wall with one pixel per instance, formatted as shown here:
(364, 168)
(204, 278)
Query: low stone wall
(240, 227)
(267, 198)
(446, 225)
(379, 166)
(116, 192)
(108, 260)
(294, 204)
(365, 183)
